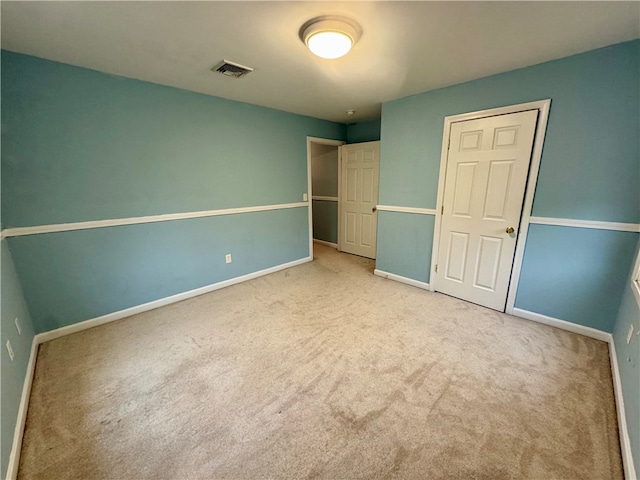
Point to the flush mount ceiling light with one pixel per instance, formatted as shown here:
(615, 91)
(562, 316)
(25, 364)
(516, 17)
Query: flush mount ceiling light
(330, 36)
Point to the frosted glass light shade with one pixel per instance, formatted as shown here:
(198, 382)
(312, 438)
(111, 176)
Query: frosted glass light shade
(330, 37)
(329, 44)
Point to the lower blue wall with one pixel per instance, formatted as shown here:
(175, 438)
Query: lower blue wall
(403, 238)
(628, 355)
(576, 272)
(84, 274)
(13, 372)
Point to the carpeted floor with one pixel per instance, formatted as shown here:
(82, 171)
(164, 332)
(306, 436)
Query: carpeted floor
(322, 371)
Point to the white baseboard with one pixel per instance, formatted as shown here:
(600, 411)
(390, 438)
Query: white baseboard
(625, 443)
(16, 447)
(563, 324)
(112, 317)
(401, 279)
(323, 242)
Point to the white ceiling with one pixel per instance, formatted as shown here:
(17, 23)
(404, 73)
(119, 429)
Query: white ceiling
(406, 47)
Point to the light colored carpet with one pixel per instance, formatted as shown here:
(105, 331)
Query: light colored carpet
(322, 371)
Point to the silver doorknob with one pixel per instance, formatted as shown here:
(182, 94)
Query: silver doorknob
(510, 230)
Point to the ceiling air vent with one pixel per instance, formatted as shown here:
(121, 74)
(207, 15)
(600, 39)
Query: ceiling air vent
(231, 69)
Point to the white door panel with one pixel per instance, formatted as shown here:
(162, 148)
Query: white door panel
(497, 192)
(487, 262)
(485, 181)
(457, 256)
(359, 197)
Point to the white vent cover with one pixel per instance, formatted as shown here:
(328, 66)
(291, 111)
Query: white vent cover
(231, 69)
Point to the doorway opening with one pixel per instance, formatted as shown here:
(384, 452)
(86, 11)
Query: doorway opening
(343, 181)
(323, 165)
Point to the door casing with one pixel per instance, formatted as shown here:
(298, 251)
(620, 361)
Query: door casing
(323, 141)
(543, 107)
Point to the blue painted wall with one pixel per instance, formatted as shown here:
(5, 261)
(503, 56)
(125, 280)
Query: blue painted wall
(80, 145)
(402, 243)
(628, 355)
(13, 372)
(590, 169)
(73, 276)
(366, 131)
(575, 259)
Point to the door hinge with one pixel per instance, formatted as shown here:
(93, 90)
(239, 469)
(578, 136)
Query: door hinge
(436, 268)
(442, 210)
(448, 144)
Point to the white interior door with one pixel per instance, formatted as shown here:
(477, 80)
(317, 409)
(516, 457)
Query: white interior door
(487, 169)
(359, 197)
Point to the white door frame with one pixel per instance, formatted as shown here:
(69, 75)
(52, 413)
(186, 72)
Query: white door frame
(543, 115)
(323, 141)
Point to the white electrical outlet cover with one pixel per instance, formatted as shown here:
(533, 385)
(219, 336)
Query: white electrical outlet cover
(10, 350)
(630, 333)
(305, 197)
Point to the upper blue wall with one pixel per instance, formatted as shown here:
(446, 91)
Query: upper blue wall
(589, 168)
(82, 145)
(366, 131)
